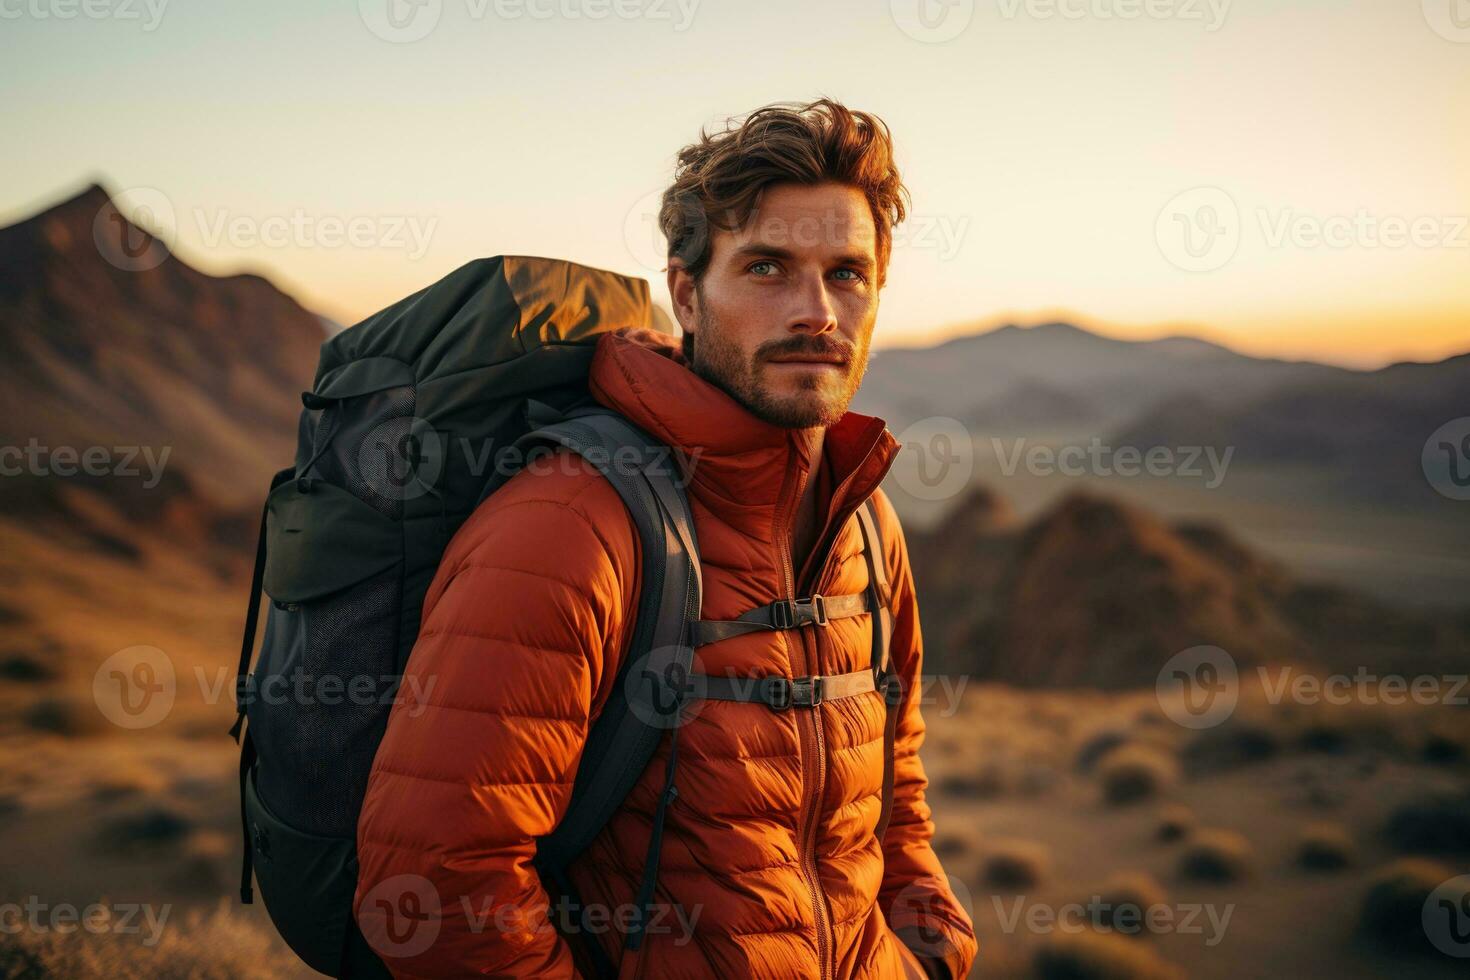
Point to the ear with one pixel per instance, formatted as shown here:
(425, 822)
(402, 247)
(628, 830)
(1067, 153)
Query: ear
(682, 295)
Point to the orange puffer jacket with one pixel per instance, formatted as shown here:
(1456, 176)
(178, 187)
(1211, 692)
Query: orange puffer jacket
(770, 866)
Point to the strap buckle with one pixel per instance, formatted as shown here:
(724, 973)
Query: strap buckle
(796, 692)
(791, 613)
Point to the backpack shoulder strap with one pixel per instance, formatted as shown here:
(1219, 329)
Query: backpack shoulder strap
(647, 697)
(888, 681)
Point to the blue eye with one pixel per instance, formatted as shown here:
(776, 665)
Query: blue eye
(757, 266)
(856, 276)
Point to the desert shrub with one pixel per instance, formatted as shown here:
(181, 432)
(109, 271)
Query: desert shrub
(1323, 736)
(1443, 749)
(66, 716)
(1015, 864)
(26, 668)
(1436, 823)
(1325, 847)
(1124, 901)
(1226, 746)
(987, 783)
(152, 827)
(1392, 914)
(1175, 823)
(1090, 955)
(1135, 772)
(1216, 856)
(1097, 745)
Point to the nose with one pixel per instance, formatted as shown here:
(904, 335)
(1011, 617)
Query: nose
(812, 311)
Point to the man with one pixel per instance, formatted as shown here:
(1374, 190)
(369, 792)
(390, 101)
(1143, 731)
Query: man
(779, 234)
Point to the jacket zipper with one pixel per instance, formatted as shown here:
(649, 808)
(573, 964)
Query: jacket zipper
(812, 725)
(808, 828)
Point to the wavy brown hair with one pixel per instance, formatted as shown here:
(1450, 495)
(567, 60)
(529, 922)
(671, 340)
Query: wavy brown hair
(718, 180)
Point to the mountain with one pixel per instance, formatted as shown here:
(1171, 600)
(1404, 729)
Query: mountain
(1101, 382)
(183, 387)
(1369, 427)
(1094, 592)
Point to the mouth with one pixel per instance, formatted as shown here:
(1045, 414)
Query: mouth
(810, 361)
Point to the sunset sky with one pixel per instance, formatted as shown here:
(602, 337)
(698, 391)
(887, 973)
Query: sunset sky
(1290, 177)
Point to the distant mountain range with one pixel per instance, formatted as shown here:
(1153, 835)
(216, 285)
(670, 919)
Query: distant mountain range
(1063, 377)
(1096, 593)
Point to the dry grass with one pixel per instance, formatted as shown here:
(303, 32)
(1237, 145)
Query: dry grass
(203, 946)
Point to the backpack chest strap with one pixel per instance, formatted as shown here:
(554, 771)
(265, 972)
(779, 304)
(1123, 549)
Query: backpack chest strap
(783, 614)
(780, 693)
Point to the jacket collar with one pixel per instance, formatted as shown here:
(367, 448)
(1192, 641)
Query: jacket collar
(739, 461)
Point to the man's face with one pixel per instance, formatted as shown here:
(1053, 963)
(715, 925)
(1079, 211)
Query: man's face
(784, 313)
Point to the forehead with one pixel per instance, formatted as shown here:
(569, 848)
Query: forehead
(816, 218)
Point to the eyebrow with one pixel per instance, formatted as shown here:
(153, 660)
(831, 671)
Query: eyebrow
(753, 249)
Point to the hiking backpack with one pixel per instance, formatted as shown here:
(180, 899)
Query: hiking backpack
(416, 415)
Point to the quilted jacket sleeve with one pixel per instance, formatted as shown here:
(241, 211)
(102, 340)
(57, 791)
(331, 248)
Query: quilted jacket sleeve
(916, 895)
(523, 629)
